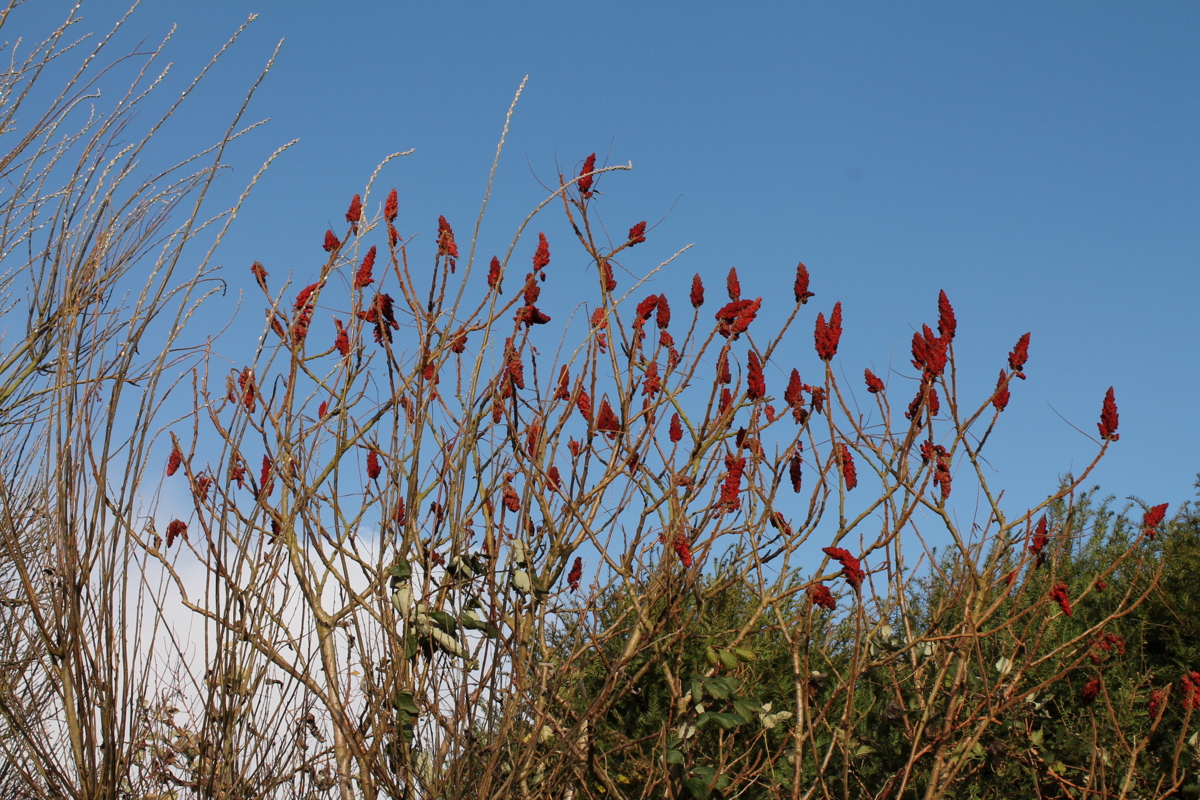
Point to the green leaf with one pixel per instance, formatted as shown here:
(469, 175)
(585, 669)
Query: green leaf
(674, 757)
(720, 688)
(697, 691)
(745, 655)
(728, 659)
(401, 570)
(404, 701)
(1037, 738)
(444, 621)
(410, 647)
(864, 750)
(727, 721)
(697, 787)
(746, 709)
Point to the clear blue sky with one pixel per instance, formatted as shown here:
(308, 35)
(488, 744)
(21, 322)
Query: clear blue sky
(1040, 162)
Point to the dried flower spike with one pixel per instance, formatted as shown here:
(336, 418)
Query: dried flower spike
(827, 335)
(260, 275)
(849, 473)
(947, 324)
(1018, 356)
(363, 277)
(1109, 418)
(874, 384)
(541, 256)
(373, 468)
(683, 549)
(575, 574)
(494, 275)
(585, 180)
(1059, 595)
(175, 529)
(637, 234)
(342, 341)
(663, 317)
(1150, 521)
(676, 429)
(606, 276)
(354, 213)
(800, 288)
(821, 596)
(697, 295)
(756, 385)
(391, 208)
(173, 462)
(1003, 395)
(733, 285)
(331, 242)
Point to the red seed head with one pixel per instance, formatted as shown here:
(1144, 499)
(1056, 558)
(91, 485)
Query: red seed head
(541, 256)
(645, 310)
(637, 234)
(606, 276)
(1001, 397)
(584, 404)
(373, 468)
(494, 275)
(732, 285)
(849, 473)
(1109, 418)
(795, 471)
(929, 352)
(723, 375)
(342, 342)
(1018, 356)
(756, 385)
(735, 466)
(676, 430)
(651, 383)
(363, 277)
(1041, 538)
(532, 290)
(946, 322)
(874, 384)
(793, 394)
(585, 180)
(575, 574)
(1090, 690)
(1059, 595)
(531, 315)
(683, 549)
(664, 312)
(173, 462)
(607, 421)
(801, 286)
(391, 208)
(827, 335)
(331, 242)
(260, 274)
(735, 317)
(446, 245)
(354, 214)
(697, 296)
(821, 596)
(1150, 521)
(564, 385)
(511, 500)
(175, 529)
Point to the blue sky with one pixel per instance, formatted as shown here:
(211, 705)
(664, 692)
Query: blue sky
(1038, 162)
